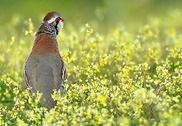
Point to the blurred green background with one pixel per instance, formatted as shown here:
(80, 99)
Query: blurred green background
(123, 59)
(103, 13)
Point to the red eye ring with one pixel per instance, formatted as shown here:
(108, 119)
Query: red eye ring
(62, 19)
(59, 19)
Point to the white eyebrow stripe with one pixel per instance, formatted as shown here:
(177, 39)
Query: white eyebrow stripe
(52, 19)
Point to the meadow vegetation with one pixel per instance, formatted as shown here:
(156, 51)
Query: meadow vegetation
(122, 77)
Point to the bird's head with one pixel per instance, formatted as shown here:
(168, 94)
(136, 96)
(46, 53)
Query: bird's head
(54, 19)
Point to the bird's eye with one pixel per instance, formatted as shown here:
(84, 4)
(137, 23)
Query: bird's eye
(59, 19)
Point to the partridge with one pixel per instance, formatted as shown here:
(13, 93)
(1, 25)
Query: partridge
(45, 70)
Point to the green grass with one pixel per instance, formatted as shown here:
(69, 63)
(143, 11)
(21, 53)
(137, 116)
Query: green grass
(121, 77)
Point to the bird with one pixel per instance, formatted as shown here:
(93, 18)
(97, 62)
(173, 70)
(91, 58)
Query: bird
(45, 70)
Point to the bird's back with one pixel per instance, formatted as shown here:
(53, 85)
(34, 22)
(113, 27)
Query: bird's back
(44, 70)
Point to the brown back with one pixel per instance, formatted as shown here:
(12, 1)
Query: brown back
(44, 44)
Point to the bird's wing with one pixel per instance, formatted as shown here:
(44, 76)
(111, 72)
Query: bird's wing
(27, 73)
(27, 79)
(59, 72)
(63, 73)
(62, 68)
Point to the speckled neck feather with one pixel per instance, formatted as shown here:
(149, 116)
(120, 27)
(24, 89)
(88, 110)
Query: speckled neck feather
(48, 28)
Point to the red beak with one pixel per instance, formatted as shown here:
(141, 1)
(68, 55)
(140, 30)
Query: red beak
(62, 19)
(59, 19)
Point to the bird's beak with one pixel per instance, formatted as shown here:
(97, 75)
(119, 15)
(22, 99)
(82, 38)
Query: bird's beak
(61, 19)
(61, 23)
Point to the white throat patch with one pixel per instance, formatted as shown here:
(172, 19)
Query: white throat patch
(60, 25)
